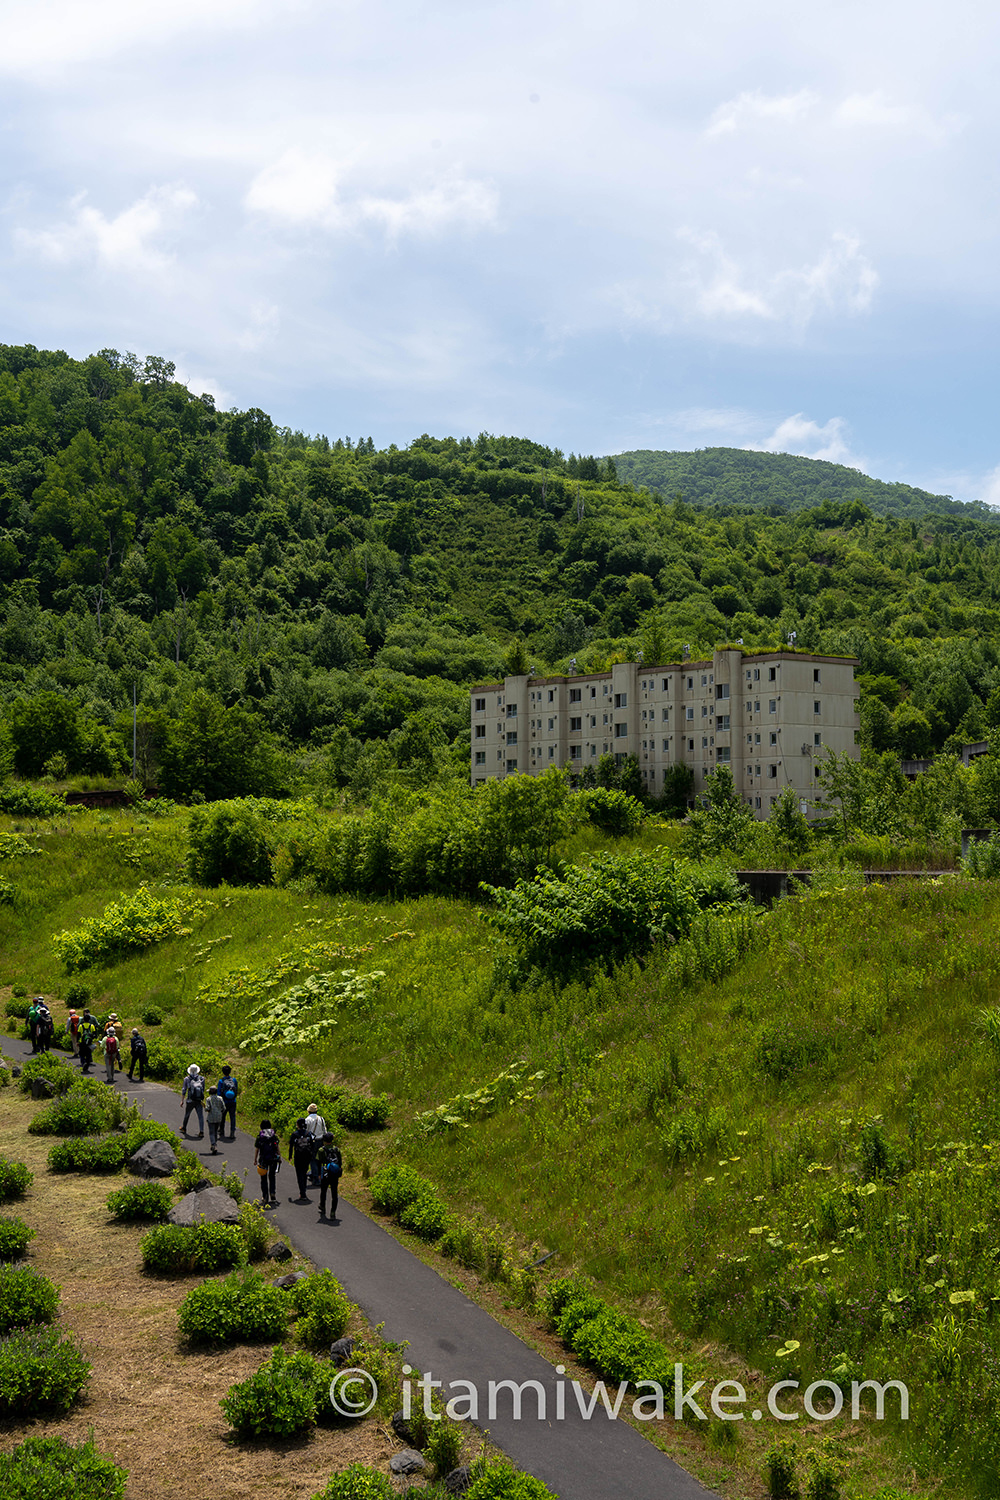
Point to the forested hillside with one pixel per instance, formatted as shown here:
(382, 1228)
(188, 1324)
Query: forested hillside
(777, 482)
(283, 604)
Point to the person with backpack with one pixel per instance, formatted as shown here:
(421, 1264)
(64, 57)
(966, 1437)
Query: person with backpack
(138, 1053)
(46, 1027)
(111, 1054)
(330, 1170)
(267, 1160)
(31, 1021)
(215, 1113)
(228, 1090)
(193, 1094)
(73, 1027)
(316, 1126)
(301, 1150)
(88, 1036)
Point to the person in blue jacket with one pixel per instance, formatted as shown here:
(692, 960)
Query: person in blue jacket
(228, 1090)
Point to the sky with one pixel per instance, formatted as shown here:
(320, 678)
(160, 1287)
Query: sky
(604, 227)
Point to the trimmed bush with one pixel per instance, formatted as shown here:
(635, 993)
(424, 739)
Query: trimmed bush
(85, 1154)
(500, 1482)
(60, 1074)
(286, 1395)
(359, 1112)
(206, 1247)
(17, 1009)
(51, 1468)
(149, 1130)
(15, 1179)
(76, 1113)
(357, 1482)
(425, 1217)
(14, 1237)
(141, 1200)
(323, 1308)
(26, 1298)
(41, 1370)
(77, 997)
(242, 1309)
(253, 1226)
(151, 1016)
(395, 1186)
(613, 811)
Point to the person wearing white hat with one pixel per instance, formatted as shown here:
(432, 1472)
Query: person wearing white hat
(193, 1095)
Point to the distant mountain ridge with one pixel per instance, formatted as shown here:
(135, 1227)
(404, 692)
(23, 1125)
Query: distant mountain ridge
(778, 481)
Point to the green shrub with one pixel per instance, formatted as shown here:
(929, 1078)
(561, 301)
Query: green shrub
(149, 1130)
(151, 1016)
(15, 1179)
(17, 1008)
(52, 1468)
(189, 1172)
(41, 1370)
(323, 1310)
(163, 1061)
(285, 1395)
(233, 1184)
(779, 1471)
(361, 1112)
(228, 844)
(443, 1447)
(19, 992)
(14, 1237)
(76, 1113)
(254, 1228)
(613, 811)
(498, 1481)
(19, 801)
(141, 1200)
(59, 1074)
(77, 997)
(242, 1309)
(126, 926)
(393, 1187)
(87, 1154)
(425, 1217)
(26, 1298)
(205, 1247)
(275, 1089)
(357, 1482)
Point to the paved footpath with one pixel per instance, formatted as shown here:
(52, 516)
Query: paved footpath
(450, 1338)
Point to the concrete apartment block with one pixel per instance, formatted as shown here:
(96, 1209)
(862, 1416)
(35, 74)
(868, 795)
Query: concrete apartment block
(768, 716)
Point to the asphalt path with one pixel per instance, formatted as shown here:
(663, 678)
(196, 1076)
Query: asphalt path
(449, 1337)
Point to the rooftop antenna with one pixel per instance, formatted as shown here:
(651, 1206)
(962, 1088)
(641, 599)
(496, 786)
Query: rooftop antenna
(792, 637)
(638, 658)
(687, 653)
(739, 641)
(572, 665)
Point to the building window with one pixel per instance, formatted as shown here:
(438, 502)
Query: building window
(605, 718)
(512, 737)
(756, 802)
(621, 700)
(621, 730)
(772, 674)
(774, 738)
(722, 690)
(480, 705)
(756, 739)
(665, 684)
(480, 757)
(552, 752)
(552, 695)
(593, 751)
(704, 742)
(756, 676)
(723, 753)
(722, 721)
(704, 680)
(748, 674)
(666, 744)
(749, 739)
(772, 705)
(576, 752)
(552, 723)
(499, 755)
(690, 744)
(817, 739)
(664, 714)
(816, 707)
(690, 682)
(574, 695)
(704, 710)
(480, 731)
(575, 725)
(512, 765)
(512, 710)
(689, 713)
(772, 772)
(815, 674)
(756, 705)
(593, 721)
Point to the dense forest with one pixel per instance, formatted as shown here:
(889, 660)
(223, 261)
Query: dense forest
(285, 606)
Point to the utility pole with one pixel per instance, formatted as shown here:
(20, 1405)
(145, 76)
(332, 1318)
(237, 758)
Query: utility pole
(133, 730)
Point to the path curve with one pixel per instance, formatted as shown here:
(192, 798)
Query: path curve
(450, 1337)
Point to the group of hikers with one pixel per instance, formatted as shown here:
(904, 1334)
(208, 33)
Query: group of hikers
(311, 1149)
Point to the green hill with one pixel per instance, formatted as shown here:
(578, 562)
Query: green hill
(782, 481)
(310, 600)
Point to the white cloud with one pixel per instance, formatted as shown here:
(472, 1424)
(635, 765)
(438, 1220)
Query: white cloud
(132, 241)
(751, 107)
(301, 189)
(261, 327)
(799, 435)
(840, 280)
(876, 110)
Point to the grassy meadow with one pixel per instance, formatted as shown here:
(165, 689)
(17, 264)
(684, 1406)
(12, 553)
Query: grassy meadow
(776, 1143)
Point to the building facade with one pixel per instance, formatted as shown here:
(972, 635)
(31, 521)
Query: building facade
(768, 716)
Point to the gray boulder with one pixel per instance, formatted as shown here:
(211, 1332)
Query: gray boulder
(289, 1281)
(409, 1461)
(154, 1159)
(213, 1204)
(402, 1428)
(41, 1088)
(458, 1481)
(341, 1351)
(278, 1251)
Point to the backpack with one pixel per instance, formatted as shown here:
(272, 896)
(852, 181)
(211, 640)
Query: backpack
(139, 1048)
(227, 1089)
(267, 1147)
(111, 1044)
(331, 1167)
(196, 1090)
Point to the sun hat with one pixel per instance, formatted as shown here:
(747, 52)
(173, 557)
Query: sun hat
(135, 1031)
(193, 1069)
(311, 1110)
